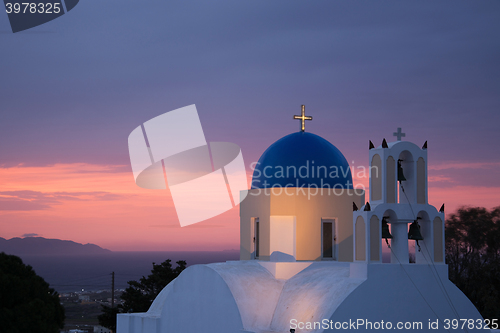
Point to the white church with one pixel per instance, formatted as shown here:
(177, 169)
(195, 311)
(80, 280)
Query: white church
(311, 252)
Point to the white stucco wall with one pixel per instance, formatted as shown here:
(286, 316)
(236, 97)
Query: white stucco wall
(243, 296)
(254, 289)
(313, 293)
(405, 293)
(222, 297)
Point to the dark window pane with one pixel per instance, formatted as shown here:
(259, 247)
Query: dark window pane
(327, 240)
(257, 238)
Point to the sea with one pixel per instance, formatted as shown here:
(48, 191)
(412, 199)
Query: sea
(77, 273)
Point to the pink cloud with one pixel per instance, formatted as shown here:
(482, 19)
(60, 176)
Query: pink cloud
(101, 204)
(464, 165)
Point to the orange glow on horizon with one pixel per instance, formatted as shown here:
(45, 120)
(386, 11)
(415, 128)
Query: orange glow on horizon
(101, 204)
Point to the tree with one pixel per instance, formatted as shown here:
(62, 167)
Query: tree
(108, 317)
(27, 303)
(139, 295)
(473, 256)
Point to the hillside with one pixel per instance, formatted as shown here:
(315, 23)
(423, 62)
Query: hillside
(44, 246)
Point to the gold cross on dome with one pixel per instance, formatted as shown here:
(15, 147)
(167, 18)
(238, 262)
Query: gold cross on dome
(303, 118)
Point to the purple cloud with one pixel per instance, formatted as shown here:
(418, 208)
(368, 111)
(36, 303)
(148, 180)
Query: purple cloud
(30, 235)
(34, 200)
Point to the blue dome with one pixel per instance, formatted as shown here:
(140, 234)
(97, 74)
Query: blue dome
(302, 160)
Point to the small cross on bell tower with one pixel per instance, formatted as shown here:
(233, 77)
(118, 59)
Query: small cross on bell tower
(399, 134)
(303, 118)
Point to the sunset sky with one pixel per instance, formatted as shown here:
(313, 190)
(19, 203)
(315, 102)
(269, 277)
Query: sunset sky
(73, 89)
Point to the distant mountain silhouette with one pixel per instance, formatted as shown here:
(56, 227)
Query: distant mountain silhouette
(44, 246)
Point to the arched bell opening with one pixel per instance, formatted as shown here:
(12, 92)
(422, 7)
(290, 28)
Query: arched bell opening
(406, 178)
(412, 249)
(392, 241)
(424, 254)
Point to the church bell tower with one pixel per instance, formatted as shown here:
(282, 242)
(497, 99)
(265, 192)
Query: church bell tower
(398, 211)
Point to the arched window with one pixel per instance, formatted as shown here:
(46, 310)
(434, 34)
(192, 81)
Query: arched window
(390, 180)
(375, 238)
(421, 192)
(438, 239)
(360, 239)
(376, 178)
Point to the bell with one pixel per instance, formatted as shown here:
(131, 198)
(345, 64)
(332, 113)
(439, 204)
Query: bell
(414, 232)
(386, 234)
(385, 229)
(401, 176)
